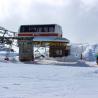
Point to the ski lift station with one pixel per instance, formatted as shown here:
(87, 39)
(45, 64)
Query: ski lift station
(47, 35)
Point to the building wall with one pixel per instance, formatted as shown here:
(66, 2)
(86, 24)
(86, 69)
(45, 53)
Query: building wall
(58, 51)
(26, 50)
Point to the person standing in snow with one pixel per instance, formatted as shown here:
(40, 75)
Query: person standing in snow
(97, 59)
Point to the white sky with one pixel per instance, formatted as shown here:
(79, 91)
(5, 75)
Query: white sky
(78, 18)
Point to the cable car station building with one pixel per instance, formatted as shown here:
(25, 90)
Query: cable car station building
(42, 35)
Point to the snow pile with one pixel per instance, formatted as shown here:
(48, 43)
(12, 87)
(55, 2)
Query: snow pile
(78, 49)
(90, 52)
(8, 53)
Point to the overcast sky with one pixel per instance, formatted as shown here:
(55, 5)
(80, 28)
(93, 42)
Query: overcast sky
(78, 18)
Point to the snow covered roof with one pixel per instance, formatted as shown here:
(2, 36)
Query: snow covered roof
(51, 39)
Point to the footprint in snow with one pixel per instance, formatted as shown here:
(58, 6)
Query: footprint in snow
(5, 87)
(16, 84)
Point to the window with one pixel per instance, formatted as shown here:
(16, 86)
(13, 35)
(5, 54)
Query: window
(51, 29)
(37, 28)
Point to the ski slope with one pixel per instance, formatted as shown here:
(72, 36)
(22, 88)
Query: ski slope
(68, 80)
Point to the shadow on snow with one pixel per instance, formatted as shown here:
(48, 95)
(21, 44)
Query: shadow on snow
(71, 64)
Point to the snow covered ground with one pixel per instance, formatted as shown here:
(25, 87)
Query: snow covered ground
(67, 77)
(68, 80)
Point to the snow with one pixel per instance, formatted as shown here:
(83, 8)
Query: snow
(66, 77)
(67, 80)
(88, 51)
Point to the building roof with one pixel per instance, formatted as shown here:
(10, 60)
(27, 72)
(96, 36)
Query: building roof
(51, 39)
(40, 25)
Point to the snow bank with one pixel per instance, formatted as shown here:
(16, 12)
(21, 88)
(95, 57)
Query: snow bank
(88, 51)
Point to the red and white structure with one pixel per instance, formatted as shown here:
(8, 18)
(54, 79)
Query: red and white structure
(45, 34)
